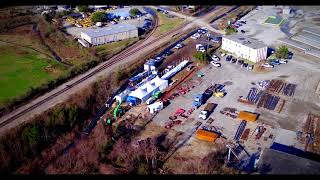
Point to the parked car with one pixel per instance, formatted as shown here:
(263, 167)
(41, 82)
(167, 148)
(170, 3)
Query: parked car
(159, 59)
(215, 57)
(244, 65)
(178, 46)
(215, 64)
(223, 54)
(250, 67)
(228, 58)
(202, 49)
(168, 53)
(200, 31)
(204, 28)
(234, 60)
(240, 62)
(189, 67)
(267, 65)
(113, 22)
(243, 31)
(195, 36)
(283, 61)
(290, 54)
(275, 62)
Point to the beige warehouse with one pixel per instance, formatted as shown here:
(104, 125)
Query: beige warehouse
(98, 36)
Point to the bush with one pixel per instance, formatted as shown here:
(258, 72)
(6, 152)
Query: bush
(83, 8)
(201, 57)
(98, 17)
(134, 12)
(282, 52)
(49, 16)
(230, 30)
(49, 31)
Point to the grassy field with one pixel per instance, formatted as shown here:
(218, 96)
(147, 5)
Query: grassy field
(108, 50)
(21, 70)
(166, 24)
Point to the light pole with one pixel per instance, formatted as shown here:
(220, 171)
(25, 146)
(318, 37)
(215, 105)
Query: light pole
(208, 34)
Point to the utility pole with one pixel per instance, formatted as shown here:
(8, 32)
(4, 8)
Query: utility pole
(208, 34)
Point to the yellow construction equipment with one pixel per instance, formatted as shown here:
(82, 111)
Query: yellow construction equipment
(218, 94)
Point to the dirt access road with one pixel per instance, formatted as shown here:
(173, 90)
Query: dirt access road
(27, 111)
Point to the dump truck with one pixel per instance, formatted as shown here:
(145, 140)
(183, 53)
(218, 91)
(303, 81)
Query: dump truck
(205, 113)
(206, 135)
(247, 116)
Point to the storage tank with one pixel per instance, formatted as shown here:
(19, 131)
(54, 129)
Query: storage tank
(206, 135)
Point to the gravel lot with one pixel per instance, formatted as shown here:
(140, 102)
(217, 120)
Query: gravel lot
(300, 70)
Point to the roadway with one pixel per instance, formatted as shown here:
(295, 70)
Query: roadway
(63, 92)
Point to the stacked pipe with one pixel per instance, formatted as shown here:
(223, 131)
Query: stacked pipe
(271, 102)
(240, 130)
(268, 101)
(276, 86)
(289, 89)
(251, 94)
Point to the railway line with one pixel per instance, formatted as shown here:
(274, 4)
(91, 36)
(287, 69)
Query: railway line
(148, 41)
(117, 58)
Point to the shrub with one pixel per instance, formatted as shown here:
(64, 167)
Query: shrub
(201, 57)
(230, 30)
(83, 8)
(134, 12)
(282, 52)
(98, 17)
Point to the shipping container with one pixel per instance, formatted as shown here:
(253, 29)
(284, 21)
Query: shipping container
(247, 116)
(206, 135)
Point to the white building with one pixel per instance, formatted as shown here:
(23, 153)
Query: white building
(157, 106)
(244, 47)
(122, 96)
(145, 91)
(97, 36)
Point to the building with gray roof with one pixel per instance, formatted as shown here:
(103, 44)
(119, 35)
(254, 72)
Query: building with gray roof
(102, 35)
(277, 162)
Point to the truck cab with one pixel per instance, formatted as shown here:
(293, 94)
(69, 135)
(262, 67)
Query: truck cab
(204, 114)
(198, 101)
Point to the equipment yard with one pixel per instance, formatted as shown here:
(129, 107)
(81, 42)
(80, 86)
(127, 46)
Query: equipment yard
(287, 96)
(201, 97)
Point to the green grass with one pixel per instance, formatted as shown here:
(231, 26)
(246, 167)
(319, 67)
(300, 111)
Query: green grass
(274, 20)
(21, 72)
(166, 24)
(108, 50)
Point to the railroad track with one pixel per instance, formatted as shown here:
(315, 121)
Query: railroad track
(117, 58)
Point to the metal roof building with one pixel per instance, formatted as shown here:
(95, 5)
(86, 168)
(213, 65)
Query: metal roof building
(277, 162)
(117, 32)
